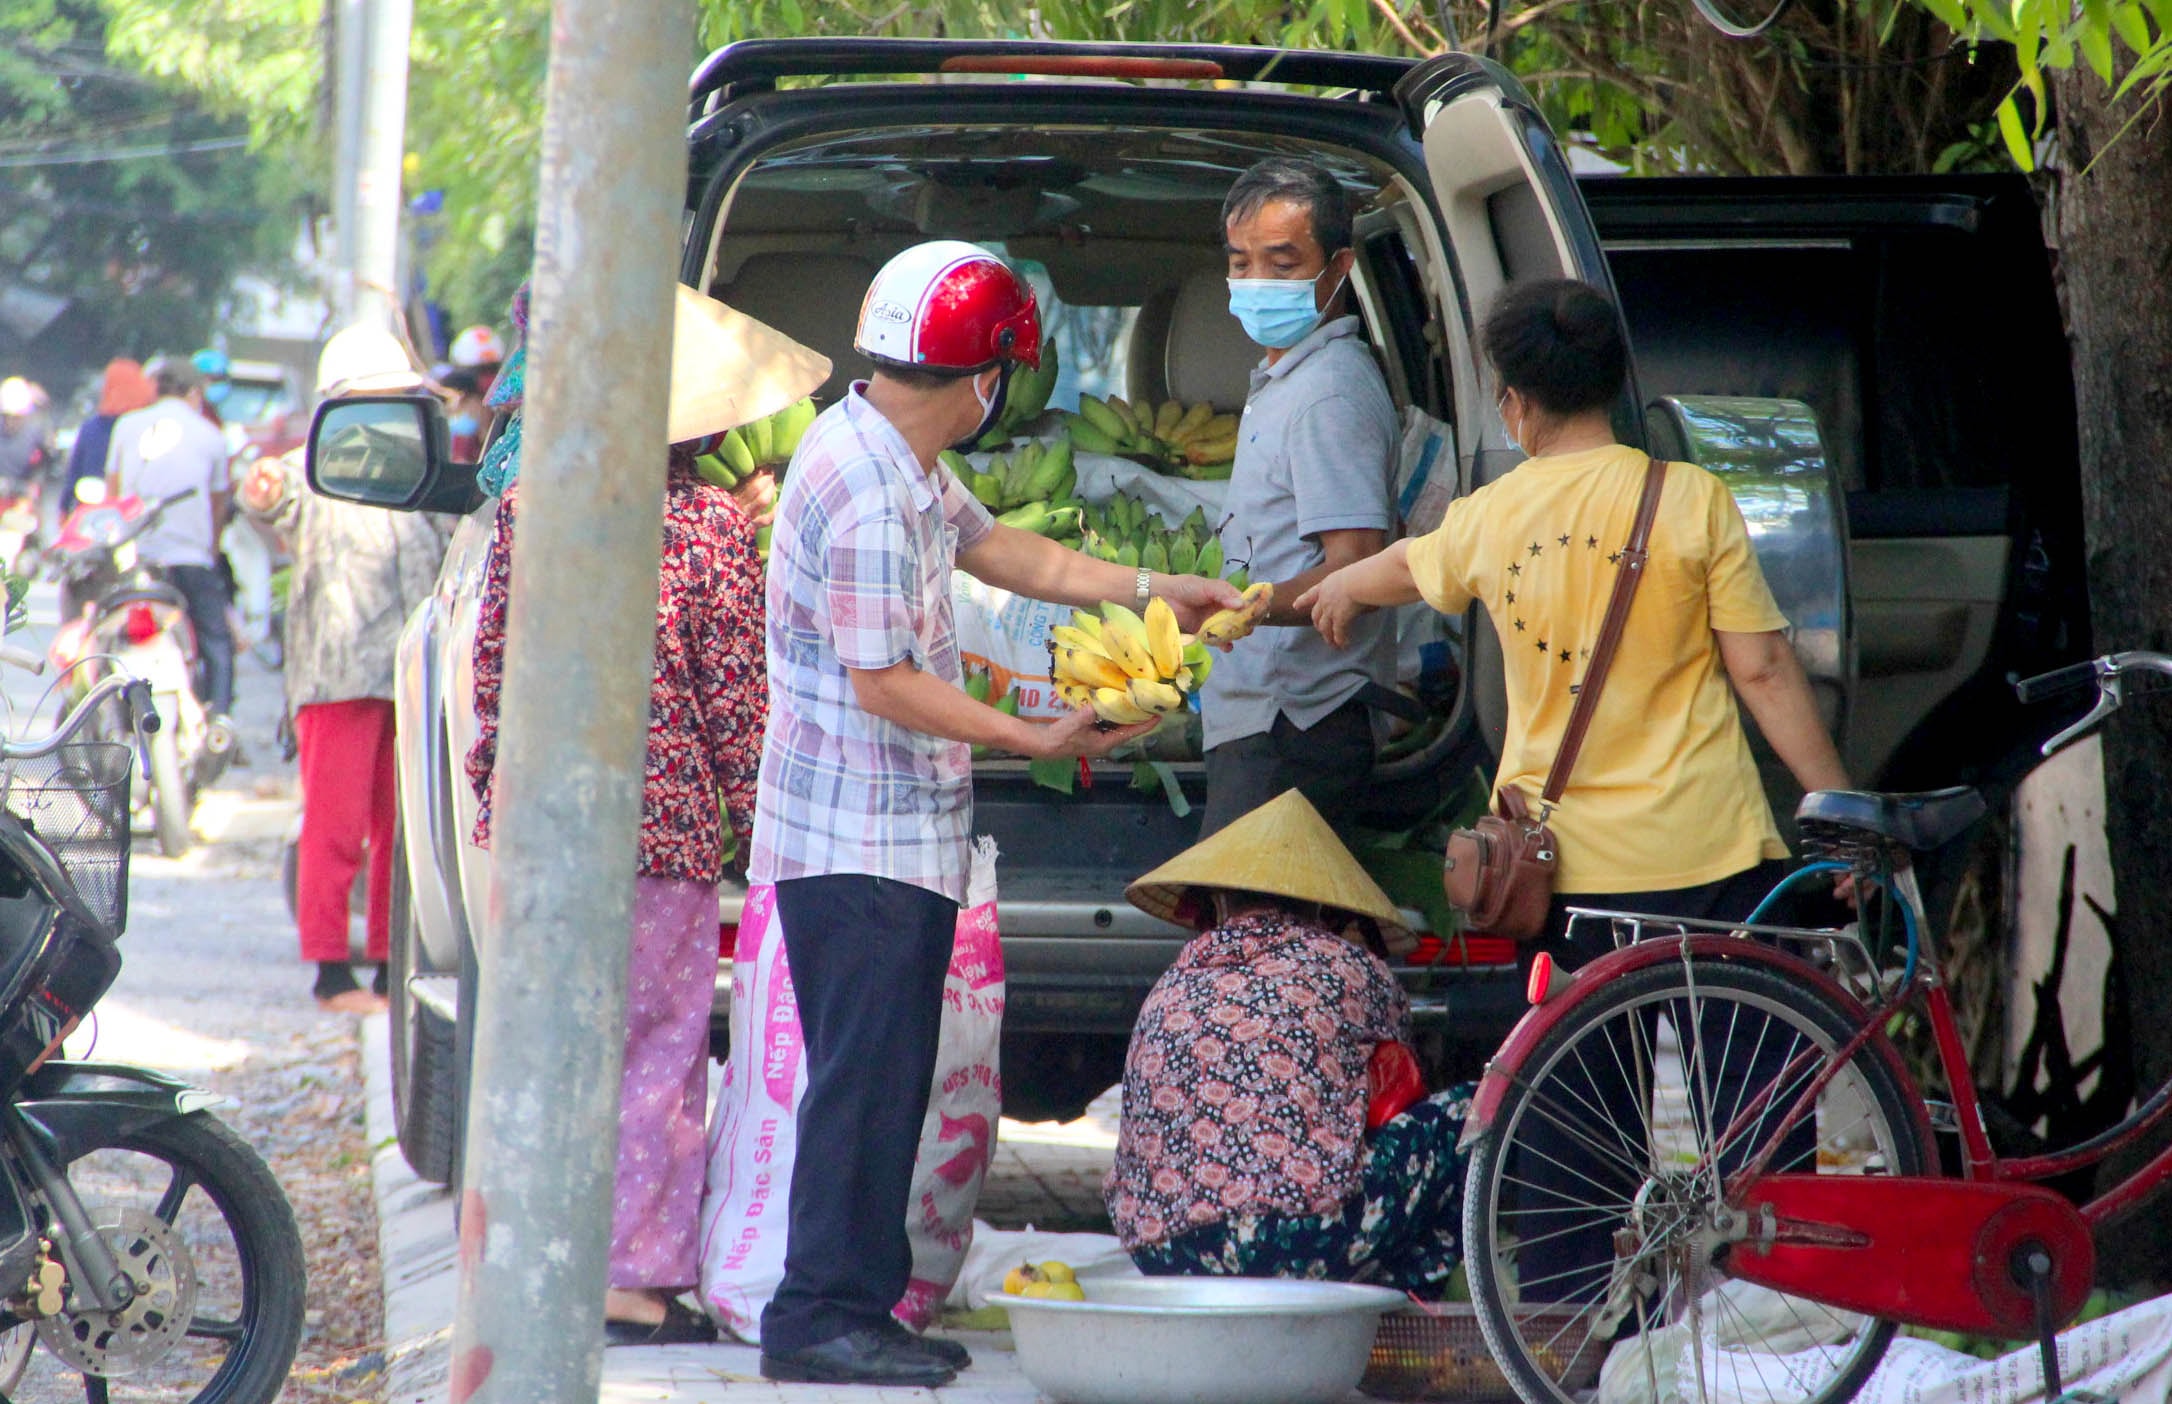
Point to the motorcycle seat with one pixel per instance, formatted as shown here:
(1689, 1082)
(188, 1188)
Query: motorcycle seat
(146, 592)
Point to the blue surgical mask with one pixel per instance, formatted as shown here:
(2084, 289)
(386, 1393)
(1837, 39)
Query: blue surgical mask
(462, 425)
(1500, 409)
(1277, 312)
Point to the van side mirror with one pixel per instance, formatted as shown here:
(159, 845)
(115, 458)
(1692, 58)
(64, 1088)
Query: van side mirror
(390, 451)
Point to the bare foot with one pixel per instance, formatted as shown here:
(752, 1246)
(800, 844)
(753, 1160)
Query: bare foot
(629, 1304)
(354, 1002)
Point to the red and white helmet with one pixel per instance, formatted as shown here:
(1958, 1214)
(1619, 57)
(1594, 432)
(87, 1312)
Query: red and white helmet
(948, 306)
(477, 346)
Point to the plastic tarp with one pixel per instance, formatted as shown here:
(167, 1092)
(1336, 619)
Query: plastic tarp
(2124, 1358)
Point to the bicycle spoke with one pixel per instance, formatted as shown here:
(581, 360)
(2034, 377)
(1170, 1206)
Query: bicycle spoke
(1567, 1123)
(1637, 1154)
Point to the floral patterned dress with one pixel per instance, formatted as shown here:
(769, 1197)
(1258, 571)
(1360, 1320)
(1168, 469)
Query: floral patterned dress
(1243, 1148)
(710, 694)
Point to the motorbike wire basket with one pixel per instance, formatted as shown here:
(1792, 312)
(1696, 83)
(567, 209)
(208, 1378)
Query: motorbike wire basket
(76, 801)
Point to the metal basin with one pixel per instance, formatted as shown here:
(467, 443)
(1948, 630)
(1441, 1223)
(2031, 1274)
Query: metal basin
(1200, 1340)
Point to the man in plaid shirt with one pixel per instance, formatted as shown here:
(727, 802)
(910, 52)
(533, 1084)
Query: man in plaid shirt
(864, 809)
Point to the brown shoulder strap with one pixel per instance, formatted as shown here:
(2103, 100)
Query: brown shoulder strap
(1626, 580)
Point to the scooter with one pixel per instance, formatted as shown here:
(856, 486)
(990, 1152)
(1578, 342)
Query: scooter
(142, 1242)
(121, 614)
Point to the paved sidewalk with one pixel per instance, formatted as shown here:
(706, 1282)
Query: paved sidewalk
(415, 1234)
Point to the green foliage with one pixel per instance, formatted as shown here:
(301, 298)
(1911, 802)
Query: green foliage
(2126, 43)
(129, 196)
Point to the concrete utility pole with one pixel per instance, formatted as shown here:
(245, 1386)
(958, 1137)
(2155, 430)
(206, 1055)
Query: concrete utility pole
(551, 1012)
(350, 39)
(375, 269)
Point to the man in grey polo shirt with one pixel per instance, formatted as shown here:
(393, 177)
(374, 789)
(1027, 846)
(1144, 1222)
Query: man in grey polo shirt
(1311, 492)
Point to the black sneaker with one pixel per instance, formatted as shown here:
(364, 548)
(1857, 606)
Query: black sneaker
(865, 1356)
(945, 1351)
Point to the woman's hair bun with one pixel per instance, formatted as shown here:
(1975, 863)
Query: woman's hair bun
(1558, 342)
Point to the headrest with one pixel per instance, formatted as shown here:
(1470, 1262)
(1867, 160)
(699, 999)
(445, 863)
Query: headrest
(1207, 356)
(814, 298)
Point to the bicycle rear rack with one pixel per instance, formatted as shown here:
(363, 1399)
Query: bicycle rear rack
(1838, 951)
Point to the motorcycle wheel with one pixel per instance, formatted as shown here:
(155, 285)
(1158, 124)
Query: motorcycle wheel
(170, 803)
(192, 1211)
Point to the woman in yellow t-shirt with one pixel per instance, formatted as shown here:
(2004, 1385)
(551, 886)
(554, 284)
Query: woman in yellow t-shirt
(1664, 812)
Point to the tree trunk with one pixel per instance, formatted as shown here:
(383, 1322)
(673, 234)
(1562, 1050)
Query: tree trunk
(2114, 225)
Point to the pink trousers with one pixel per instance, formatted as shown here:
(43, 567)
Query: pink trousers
(349, 804)
(663, 1093)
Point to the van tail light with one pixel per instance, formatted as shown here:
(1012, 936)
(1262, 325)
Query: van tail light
(141, 625)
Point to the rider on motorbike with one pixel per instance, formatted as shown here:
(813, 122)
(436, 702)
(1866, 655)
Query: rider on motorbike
(169, 448)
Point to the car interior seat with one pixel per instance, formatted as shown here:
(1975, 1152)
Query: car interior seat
(1185, 346)
(814, 298)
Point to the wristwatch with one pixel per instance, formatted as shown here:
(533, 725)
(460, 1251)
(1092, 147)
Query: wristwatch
(1146, 589)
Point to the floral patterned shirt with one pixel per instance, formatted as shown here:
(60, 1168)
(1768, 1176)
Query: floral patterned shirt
(709, 696)
(1245, 1087)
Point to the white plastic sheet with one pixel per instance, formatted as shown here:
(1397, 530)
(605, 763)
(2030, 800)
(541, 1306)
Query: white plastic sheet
(2125, 1358)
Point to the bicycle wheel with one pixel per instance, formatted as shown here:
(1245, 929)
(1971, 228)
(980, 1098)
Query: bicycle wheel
(1594, 1218)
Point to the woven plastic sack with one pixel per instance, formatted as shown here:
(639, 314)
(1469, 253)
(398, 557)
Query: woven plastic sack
(753, 1133)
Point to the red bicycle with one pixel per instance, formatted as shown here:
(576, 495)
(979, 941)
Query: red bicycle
(1706, 1143)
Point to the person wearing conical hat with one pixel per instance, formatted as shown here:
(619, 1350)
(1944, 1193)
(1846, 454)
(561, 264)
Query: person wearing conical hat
(708, 708)
(1253, 1143)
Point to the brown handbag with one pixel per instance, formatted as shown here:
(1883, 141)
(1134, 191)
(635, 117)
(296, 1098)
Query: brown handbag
(1499, 873)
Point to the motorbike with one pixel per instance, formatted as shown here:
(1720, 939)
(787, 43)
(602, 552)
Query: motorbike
(118, 613)
(143, 1243)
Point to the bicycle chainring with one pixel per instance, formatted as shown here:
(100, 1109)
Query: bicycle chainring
(154, 1257)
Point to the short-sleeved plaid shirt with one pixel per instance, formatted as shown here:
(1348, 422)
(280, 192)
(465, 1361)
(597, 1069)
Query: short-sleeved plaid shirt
(859, 577)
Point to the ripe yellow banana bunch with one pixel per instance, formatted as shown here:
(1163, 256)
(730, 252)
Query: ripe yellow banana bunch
(1229, 625)
(1129, 669)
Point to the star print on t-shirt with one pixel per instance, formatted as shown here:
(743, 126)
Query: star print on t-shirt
(1531, 556)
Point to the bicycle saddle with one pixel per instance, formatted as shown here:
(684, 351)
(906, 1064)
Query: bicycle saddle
(1918, 821)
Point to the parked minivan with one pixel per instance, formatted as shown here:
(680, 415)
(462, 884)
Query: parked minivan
(1102, 169)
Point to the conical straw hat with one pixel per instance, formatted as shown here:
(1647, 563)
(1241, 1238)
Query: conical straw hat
(1283, 848)
(727, 369)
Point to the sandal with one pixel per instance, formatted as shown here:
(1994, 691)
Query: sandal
(682, 1325)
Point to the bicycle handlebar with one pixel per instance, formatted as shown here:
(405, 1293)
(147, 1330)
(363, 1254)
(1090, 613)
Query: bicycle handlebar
(2071, 678)
(2108, 673)
(143, 714)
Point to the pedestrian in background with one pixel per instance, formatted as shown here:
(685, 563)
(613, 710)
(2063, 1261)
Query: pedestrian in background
(708, 701)
(358, 573)
(123, 389)
(169, 448)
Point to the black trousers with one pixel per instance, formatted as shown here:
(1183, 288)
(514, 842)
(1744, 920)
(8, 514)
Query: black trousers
(1330, 761)
(1558, 1177)
(204, 587)
(868, 956)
